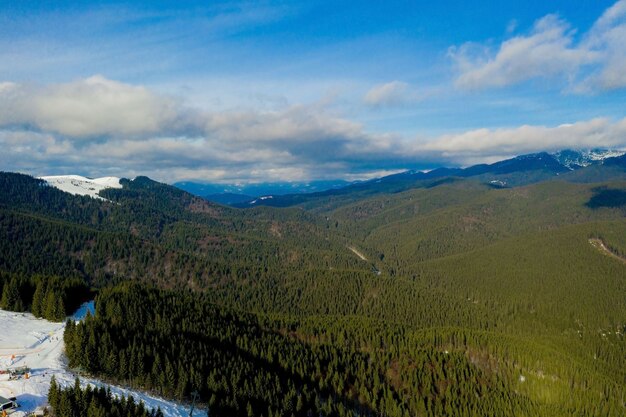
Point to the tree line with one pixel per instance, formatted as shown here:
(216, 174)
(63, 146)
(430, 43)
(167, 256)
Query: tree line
(75, 401)
(49, 297)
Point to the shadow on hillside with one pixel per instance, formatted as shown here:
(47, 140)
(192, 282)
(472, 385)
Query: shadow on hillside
(607, 197)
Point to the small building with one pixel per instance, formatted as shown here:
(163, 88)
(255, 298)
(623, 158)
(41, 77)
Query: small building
(17, 373)
(8, 403)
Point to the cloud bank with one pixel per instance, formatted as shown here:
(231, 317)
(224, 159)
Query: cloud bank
(91, 107)
(97, 126)
(102, 126)
(484, 145)
(588, 62)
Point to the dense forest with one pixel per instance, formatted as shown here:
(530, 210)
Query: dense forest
(253, 364)
(49, 297)
(93, 402)
(448, 297)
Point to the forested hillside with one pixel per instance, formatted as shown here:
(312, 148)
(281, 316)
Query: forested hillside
(450, 297)
(151, 231)
(93, 402)
(49, 297)
(258, 364)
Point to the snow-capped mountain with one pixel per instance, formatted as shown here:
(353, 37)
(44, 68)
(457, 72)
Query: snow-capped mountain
(574, 159)
(78, 185)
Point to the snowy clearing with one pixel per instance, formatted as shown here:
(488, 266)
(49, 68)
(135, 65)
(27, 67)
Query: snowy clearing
(38, 344)
(77, 185)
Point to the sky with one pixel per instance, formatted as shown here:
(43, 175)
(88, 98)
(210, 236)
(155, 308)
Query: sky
(246, 92)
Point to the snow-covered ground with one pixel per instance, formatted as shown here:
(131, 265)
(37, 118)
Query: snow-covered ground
(77, 185)
(38, 344)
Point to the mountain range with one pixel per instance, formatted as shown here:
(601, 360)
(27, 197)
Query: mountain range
(521, 170)
(231, 194)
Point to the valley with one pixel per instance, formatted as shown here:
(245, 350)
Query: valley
(313, 208)
(428, 299)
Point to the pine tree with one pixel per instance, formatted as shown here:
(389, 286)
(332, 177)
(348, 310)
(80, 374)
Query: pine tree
(53, 392)
(59, 309)
(11, 299)
(50, 305)
(38, 298)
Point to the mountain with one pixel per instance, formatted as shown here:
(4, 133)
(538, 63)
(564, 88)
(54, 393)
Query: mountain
(600, 164)
(617, 161)
(521, 170)
(524, 163)
(238, 193)
(160, 225)
(77, 185)
(594, 165)
(575, 159)
(228, 199)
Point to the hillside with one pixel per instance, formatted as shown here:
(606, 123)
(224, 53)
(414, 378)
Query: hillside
(449, 296)
(153, 231)
(423, 224)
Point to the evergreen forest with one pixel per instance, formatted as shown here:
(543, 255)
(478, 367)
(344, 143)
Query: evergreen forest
(445, 297)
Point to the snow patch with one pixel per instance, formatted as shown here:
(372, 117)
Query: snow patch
(77, 185)
(585, 157)
(38, 344)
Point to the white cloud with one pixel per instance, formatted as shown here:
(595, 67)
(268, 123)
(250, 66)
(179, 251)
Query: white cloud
(90, 107)
(486, 145)
(585, 63)
(98, 123)
(394, 93)
(99, 127)
(608, 37)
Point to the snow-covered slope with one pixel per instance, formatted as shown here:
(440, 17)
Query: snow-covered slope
(38, 344)
(574, 159)
(77, 185)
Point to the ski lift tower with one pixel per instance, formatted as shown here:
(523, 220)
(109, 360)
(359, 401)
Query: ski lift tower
(194, 397)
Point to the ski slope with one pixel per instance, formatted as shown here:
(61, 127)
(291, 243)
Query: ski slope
(77, 185)
(38, 344)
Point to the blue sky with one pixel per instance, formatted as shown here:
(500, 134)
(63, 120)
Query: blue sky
(267, 91)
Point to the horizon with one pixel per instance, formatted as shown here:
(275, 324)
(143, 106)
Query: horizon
(242, 92)
(330, 182)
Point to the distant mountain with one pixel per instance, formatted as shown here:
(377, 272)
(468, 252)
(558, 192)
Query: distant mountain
(238, 193)
(618, 161)
(521, 170)
(532, 162)
(599, 165)
(575, 159)
(228, 198)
